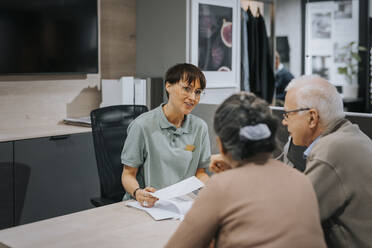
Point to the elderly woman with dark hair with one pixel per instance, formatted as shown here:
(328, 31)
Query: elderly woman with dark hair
(259, 202)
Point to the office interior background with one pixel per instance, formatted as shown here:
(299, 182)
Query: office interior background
(48, 169)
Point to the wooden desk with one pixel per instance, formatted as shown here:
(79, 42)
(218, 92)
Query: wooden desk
(110, 226)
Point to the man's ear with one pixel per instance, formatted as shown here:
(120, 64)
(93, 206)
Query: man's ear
(313, 118)
(220, 146)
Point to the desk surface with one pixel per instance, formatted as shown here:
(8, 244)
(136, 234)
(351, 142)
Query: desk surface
(11, 134)
(110, 226)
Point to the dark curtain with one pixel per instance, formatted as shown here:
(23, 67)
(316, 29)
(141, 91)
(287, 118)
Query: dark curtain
(261, 78)
(254, 81)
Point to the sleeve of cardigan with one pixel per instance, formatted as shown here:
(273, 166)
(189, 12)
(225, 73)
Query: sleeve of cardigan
(201, 223)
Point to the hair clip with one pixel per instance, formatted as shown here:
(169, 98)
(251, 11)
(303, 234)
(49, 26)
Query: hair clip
(255, 132)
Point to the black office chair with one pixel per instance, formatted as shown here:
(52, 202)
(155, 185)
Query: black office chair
(109, 126)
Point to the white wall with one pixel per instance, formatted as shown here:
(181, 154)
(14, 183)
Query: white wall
(288, 23)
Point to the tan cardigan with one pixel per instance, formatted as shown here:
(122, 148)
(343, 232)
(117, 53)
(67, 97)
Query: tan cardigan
(269, 205)
(340, 168)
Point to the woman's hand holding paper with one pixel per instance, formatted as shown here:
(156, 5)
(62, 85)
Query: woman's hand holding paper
(144, 198)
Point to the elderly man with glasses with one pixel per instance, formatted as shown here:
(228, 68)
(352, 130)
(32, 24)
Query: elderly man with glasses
(338, 160)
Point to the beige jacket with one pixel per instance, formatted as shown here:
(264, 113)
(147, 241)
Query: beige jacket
(340, 168)
(269, 205)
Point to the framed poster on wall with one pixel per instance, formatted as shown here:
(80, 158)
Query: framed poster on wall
(330, 26)
(214, 48)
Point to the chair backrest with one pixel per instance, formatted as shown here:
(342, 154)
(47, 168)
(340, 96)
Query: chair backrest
(109, 126)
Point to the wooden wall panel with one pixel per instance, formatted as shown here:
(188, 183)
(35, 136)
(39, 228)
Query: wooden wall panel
(118, 38)
(38, 102)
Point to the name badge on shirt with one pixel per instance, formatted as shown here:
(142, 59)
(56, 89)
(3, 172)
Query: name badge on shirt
(190, 148)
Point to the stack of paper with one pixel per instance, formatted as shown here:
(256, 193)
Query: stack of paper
(82, 121)
(127, 90)
(174, 201)
(139, 91)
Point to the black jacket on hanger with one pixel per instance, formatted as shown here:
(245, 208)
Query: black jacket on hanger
(254, 80)
(265, 61)
(261, 74)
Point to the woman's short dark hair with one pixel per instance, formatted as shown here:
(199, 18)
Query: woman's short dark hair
(189, 73)
(238, 111)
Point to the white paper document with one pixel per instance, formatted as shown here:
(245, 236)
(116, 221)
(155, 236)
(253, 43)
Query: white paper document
(174, 201)
(82, 121)
(179, 189)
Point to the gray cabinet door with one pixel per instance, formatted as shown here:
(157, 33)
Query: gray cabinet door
(6, 185)
(54, 176)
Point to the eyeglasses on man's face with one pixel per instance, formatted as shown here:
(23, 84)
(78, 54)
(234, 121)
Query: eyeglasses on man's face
(186, 89)
(286, 113)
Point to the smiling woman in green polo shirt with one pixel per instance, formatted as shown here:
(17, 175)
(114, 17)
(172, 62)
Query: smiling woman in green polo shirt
(167, 144)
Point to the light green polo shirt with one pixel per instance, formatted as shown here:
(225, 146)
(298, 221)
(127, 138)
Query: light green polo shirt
(166, 154)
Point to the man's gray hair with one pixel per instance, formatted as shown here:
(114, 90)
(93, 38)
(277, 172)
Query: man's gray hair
(316, 92)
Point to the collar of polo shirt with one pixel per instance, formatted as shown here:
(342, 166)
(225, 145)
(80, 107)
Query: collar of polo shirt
(165, 124)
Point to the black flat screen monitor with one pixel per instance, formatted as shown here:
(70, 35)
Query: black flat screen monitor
(48, 36)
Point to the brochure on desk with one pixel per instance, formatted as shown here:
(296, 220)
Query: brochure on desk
(174, 201)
